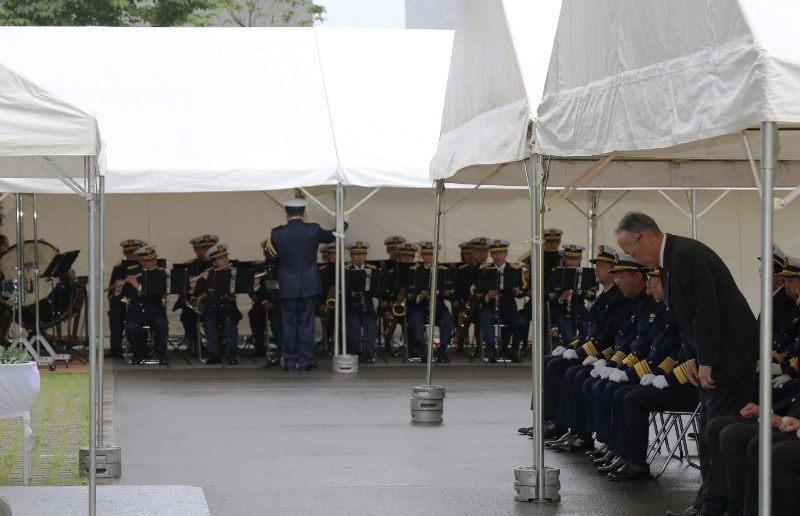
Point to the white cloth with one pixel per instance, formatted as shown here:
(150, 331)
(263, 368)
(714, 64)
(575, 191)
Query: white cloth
(558, 351)
(606, 371)
(19, 386)
(660, 382)
(647, 379)
(776, 369)
(571, 354)
(618, 375)
(590, 360)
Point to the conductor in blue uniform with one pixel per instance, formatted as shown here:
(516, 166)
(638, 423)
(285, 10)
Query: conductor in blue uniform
(293, 246)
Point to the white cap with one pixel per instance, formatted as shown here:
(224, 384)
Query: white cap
(295, 203)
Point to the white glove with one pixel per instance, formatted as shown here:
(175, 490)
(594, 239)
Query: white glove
(589, 360)
(776, 370)
(647, 379)
(596, 372)
(558, 351)
(618, 375)
(779, 381)
(606, 372)
(347, 217)
(660, 382)
(571, 354)
(600, 363)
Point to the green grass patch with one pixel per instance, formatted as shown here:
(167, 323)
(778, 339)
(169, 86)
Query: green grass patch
(60, 424)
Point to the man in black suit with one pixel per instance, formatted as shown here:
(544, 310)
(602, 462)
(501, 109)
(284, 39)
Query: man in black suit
(719, 331)
(293, 246)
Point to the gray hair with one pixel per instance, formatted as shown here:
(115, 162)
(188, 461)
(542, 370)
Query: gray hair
(636, 223)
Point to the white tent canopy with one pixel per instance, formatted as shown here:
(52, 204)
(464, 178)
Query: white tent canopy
(222, 109)
(36, 123)
(486, 127)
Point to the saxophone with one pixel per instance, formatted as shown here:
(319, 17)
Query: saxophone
(395, 312)
(329, 304)
(465, 318)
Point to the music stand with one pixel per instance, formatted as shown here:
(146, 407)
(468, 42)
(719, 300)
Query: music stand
(197, 267)
(61, 264)
(368, 283)
(154, 282)
(219, 282)
(243, 279)
(586, 279)
(179, 279)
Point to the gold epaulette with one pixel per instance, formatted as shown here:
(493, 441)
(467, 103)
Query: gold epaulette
(512, 265)
(667, 365)
(414, 267)
(590, 349)
(322, 267)
(631, 360)
(574, 343)
(607, 352)
(276, 226)
(794, 364)
(189, 262)
(464, 266)
(618, 357)
(642, 368)
(370, 266)
(779, 357)
(133, 266)
(682, 373)
(486, 265)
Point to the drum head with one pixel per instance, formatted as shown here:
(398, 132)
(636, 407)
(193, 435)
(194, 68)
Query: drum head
(53, 309)
(8, 266)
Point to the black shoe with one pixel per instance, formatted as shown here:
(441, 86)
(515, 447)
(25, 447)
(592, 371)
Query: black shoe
(213, 359)
(689, 511)
(162, 359)
(442, 358)
(575, 443)
(286, 368)
(552, 430)
(369, 359)
(605, 460)
(233, 361)
(561, 440)
(613, 466)
(137, 360)
(309, 367)
(524, 430)
(490, 355)
(597, 453)
(259, 353)
(631, 471)
(113, 354)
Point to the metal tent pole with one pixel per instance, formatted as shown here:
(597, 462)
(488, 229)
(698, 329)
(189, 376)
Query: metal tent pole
(92, 323)
(594, 200)
(100, 329)
(693, 197)
(769, 156)
(434, 276)
(20, 262)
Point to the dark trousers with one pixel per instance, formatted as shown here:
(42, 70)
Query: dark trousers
(515, 327)
(221, 327)
(135, 329)
(356, 319)
(602, 404)
(570, 410)
(297, 321)
(630, 417)
(417, 318)
(258, 317)
(189, 323)
(725, 400)
(555, 369)
(116, 326)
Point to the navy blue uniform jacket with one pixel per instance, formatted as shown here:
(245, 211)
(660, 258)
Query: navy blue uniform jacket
(294, 247)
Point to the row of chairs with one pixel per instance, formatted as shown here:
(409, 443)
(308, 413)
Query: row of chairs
(672, 431)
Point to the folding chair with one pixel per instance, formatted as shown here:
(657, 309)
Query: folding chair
(680, 448)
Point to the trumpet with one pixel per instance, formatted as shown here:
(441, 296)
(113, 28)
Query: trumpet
(328, 305)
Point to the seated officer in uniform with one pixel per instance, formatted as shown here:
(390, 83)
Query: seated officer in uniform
(116, 308)
(419, 309)
(568, 312)
(220, 315)
(326, 308)
(145, 310)
(392, 244)
(265, 308)
(362, 320)
(515, 326)
(200, 244)
(480, 249)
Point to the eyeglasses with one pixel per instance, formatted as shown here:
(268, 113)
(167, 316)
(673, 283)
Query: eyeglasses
(620, 276)
(635, 245)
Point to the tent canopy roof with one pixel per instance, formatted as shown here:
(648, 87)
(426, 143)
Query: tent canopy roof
(210, 109)
(672, 89)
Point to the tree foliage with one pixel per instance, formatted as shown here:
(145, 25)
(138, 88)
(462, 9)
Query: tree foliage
(288, 13)
(114, 13)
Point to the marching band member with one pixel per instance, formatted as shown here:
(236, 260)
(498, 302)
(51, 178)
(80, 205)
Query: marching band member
(360, 309)
(220, 315)
(200, 244)
(265, 308)
(117, 308)
(419, 310)
(145, 310)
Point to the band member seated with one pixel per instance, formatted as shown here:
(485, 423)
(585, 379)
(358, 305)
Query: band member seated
(505, 313)
(200, 244)
(568, 312)
(265, 308)
(419, 309)
(116, 308)
(220, 315)
(145, 310)
(362, 320)
(326, 305)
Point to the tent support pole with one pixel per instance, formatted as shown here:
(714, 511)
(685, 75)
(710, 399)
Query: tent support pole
(317, 202)
(672, 202)
(101, 183)
(472, 191)
(614, 203)
(585, 178)
(752, 161)
(714, 203)
(434, 276)
(544, 481)
(365, 199)
(92, 323)
(594, 200)
(769, 155)
(693, 203)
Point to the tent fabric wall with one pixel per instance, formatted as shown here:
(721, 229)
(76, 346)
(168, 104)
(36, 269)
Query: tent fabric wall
(224, 109)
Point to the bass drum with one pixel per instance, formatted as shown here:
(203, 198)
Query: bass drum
(49, 304)
(59, 304)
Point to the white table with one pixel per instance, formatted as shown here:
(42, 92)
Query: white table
(19, 386)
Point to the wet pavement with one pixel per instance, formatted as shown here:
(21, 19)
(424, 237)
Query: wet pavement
(306, 443)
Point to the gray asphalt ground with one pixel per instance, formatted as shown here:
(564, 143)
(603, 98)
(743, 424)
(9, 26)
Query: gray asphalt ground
(264, 442)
